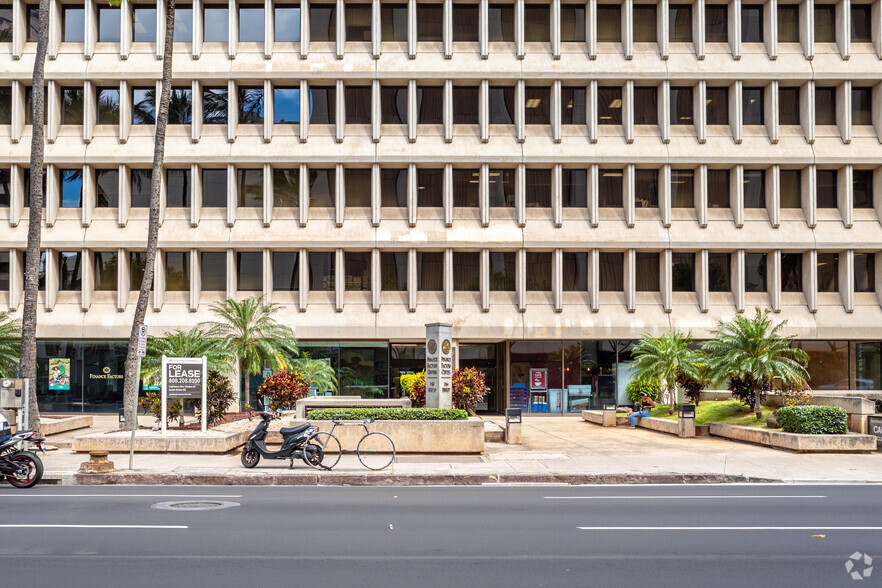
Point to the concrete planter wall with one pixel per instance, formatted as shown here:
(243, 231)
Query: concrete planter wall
(651, 423)
(172, 442)
(53, 426)
(850, 443)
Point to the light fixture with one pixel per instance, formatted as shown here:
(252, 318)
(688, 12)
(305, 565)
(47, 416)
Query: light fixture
(570, 105)
(495, 174)
(612, 174)
(708, 101)
(605, 118)
(617, 103)
(533, 103)
(686, 411)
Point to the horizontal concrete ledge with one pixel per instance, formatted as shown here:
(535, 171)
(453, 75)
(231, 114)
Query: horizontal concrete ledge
(850, 443)
(651, 423)
(54, 426)
(172, 442)
(342, 403)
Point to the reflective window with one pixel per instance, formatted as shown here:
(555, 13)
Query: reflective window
(251, 23)
(358, 187)
(393, 187)
(501, 101)
(4, 271)
(827, 188)
(180, 106)
(572, 23)
(609, 23)
(214, 271)
(575, 271)
(647, 271)
(430, 23)
(73, 24)
(537, 25)
(108, 106)
(788, 105)
(646, 188)
(537, 106)
(501, 23)
(791, 272)
(216, 24)
(862, 188)
(754, 188)
(358, 105)
(358, 22)
(177, 188)
(249, 271)
(41, 272)
(683, 272)
(177, 271)
(828, 364)
(645, 105)
(106, 270)
(214, 188)
(394, 105)
(322, 22)
(788, 23)
(250, 187)
(140, 189)
(430, 271)
(538, 276)
(755, 272)
(718, 188)
(573, 106)
(466, 187)
(108, 24)
(393, 268)
(466, 271)
(681, 105)
(321, 270)
(358, 271)
(286, 272)
(538, 185)
(322, 105)
(71, 181)
(465, 23)
(861, 23)
(70, 270)
(143, 106)
(5, 193)
(502, 188)
(645, 23)
(753, 106)
(828, 272)
(5, 105)
(394, 22)
(430, 105)
(609, 105)
(752, 24)
(861, 106)
(71, 106)
(610, 188)
(612, 272)
(502, 271)
(183, 23)
(214, 106)
(33, 23)
(825, 106)
(864, 272)
(287, 25)
(574, 188)
(107, 188)
(250, 106)
(144, 23)
(286, 105)
(286, 187)
(680, 23)
(791, 188)
(321, 188)
(430, 187)
(6, 24)
(719, 268)
(137, 263)
(825, 23)
(465, 102)
(682, 188)
(868, 363)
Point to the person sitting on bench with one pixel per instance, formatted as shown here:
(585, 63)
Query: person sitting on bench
(645, 404)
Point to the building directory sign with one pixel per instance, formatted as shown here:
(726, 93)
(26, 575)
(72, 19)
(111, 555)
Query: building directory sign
(874, 427)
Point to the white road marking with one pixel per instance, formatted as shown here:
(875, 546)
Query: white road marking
(671, 497)
(2, 495)
(36, 526)
(818, 528)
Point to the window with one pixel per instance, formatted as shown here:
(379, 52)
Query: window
(70, 270)
(502, 188)
(141, 187)
(33, 23)
(73, 24)
(321, 270)
(430, 187)
(537, 23)
(612, 272)
(71, 106)
(717, 104)
(41, 272)
(286, 273)
(609, 23)
(393, 269)
(108, 24)
(465, 102)
(286, 187)
(646, 188)
(358, 23)
(105, 270)
(572, 23)
(861, 106)
(321, 188)
(575, 271)
(249, 271)
(864, 272)
(718, 188)
(6, 24)
(287, 29)
(430, 271)
(610, 188)
(358, 271)
(286, 105)
(214, 106)
(322, 22)
(108, 106)
(465, 23)
(358, 187)
(5, 195)
(107, 188)
(144, 24)
(716, 23)
(184, 23)
(788, 23)
(177, 188)
(645, 105)
(538, 272)
(538, 184)
(180, 106)
(861, 27)
(680, 23)
(251, 23)
(791, 272)
(137, 263)
(825, 23)
(430, 22)
(791, 188)
(537, 105)
(4, 271)
(214, 188)
(755, 272)
(828, 272)
(323, 105)
(752, 106)
(466, 187)
(752, 24)
(214, 271)
(645, 23)
(719, 268)
(5, 105)
(862, 188)
(250, 106)
(575, 188)
(682, 188)
(573, 106)
(502, 271)
(216, 24)
(177, 271)
(647, 272)
(358, 105)
(466, 271)
(609, 105)
(754, 188)
(71, 188)
(501, 101)
(827, 188)
(681, 105)
(394, 22)
(250, 187)
(788, 105)
(394, 105)
(500, 23)
(393, 184)
(430, 105)
(825, 106)
(143, 106)
(683, 272)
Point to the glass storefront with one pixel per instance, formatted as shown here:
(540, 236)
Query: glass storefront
(80, 376)
(485, 357)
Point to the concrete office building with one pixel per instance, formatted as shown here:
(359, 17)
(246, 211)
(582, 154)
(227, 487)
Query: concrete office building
(555, 179)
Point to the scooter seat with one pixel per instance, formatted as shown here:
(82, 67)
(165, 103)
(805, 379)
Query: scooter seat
(293, 430)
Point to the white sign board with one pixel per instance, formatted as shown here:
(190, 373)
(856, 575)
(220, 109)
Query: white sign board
(142, 340)
(184, 377)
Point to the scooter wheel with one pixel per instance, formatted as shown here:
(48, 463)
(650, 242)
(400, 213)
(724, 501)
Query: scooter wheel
(250, 457)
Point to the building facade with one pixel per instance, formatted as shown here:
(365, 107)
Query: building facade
(555, 179)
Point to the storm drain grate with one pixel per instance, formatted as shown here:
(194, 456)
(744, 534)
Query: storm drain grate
(194, 505)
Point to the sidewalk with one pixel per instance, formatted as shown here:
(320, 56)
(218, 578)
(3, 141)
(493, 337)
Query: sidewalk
(554, 449)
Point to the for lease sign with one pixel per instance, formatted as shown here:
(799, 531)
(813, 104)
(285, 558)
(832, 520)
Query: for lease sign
(183, 379)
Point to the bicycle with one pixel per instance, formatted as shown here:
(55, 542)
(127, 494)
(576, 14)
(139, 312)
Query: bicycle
(375, 450)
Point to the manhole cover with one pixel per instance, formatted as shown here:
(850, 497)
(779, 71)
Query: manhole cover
(194, 505)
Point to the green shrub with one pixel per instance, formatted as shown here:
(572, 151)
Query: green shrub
(284, 389)
(152, 403)
(220, 397)
(390, 414)
(408, 380)
(637, 388)
(813, 420)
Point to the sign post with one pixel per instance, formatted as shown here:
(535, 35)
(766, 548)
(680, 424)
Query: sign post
(183, 378)
(142, 352)
(439, 365)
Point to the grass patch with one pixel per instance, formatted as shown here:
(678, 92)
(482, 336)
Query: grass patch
(731, 412)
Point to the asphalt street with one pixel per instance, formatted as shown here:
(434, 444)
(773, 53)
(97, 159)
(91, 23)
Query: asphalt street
(708, 535)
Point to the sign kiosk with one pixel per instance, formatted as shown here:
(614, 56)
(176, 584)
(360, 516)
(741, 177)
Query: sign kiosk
(184, 378)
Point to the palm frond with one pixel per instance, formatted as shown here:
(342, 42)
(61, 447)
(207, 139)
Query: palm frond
(10, 344)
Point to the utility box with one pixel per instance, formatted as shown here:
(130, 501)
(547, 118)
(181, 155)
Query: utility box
(513, 426)
(12, 394)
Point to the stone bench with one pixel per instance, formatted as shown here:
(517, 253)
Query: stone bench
(341, 403)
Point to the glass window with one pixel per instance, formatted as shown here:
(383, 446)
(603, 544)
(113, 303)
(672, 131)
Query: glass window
(393, 268)
(572, 23)
(828, 272)
(538, 185)
(609, 105)
(137, 263)
(216, 24)
(612, 272)
(321, 270)
(465, 102)
(177, 188)
(609, 23)
(430, 105)
(537, 106)
(287, 25)
(827, 188)
(286, 105)
(788, 105)
(5, 194)
(4, 271)
(70, 270)
(610, 188)
(575, 188)
(249, 271)
(502, 271)
(501, 101)
(466, 270)
(716, 23)
(683, 272)
(752, 106)
(183, 23)
(393, 187)
(108, 24)
(791, 272)
(6, 24)
(717, 103)
(501, 23)
(214, 271)
(322, 22)
(250, 187)
(681, 105)
(358, 271)
(864, 272)
(108, 106)
(250, 106)
(358, 23)
(177, 271)
(861, 106)
(466, 187)
(33, 23)
(573, 106)
(321, 188)
(682, 188)
(358, 187)
(286, 273)
(828, 364)
(538, 277)
(647, 271)
(430, 22)
(286, 187)
(719, 267)
(645, 23)
(322, 105)
(862, 188)
(105, 270)
(752, 24)
(430, 188)
(5, 105)
(861, 23)
(144, 24)
(575, 271)
(71, 188)
(754, 188)
(73, 24)
(394, 105)
(465, 23)
(868, 360)
(143, 106)
(825, 23)
(180, 106)
(141, 187)
(537, 23)
(394, 22)
(107, 188)
(71, 106)
(825, 106)
(791, 188)
(646, 105)
(430, 271)
(680, 23)
(251, 23)
(358, 105)
(755, 272)
(646, 188)
(41, 272)
(214, 106)
(214, 188)
(788, 23)
(502, 188)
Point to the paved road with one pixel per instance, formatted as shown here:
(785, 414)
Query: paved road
(750, 535)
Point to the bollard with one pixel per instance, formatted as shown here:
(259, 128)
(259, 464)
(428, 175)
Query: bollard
(513, 426)
(97, 464)
(609, 415)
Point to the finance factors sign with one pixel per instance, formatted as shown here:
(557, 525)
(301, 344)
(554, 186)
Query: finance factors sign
(439, 365)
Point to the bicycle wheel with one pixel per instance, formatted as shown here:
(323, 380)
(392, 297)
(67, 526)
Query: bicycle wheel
(327, 446)
(376, 451)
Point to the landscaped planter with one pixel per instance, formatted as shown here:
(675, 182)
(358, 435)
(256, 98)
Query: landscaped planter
(155, 442)
(850, 443)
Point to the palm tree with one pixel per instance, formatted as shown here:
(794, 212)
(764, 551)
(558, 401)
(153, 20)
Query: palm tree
(252, 336)
(753, 350)
(10, 344)
(317, 372)
(665, 359)
(192, 343)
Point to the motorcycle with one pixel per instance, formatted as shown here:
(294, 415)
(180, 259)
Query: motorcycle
(295, 444)
(21, 468)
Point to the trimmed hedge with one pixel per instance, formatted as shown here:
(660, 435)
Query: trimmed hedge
(813, 420)
(390, 414)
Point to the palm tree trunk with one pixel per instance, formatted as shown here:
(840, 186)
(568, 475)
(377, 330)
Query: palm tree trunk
(130, 384)
(27, 365)
(757, 406)
(246, 390)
